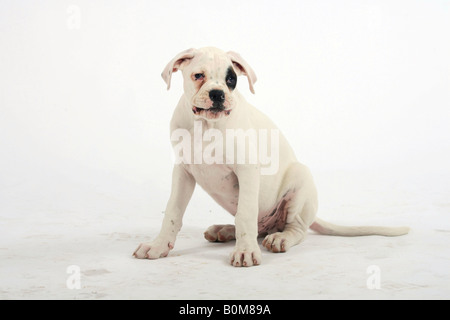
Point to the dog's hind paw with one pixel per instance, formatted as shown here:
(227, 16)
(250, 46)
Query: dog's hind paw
(220, 233)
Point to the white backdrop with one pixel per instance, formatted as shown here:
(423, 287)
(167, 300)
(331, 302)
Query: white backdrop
(360, 89)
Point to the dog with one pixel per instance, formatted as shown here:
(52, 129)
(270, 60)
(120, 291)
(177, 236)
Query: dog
(278, 202)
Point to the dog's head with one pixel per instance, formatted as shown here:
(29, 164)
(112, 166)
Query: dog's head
(210, 78)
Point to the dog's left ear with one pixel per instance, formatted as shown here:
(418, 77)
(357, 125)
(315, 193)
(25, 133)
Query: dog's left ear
(176, 63)
(244, 68)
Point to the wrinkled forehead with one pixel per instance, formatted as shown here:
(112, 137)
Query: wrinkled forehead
(215, 64)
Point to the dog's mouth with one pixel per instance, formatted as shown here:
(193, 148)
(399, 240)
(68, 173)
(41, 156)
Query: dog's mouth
(211, 113)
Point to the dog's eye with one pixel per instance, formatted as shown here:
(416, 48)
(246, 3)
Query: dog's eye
(199, 76)
(231, 80)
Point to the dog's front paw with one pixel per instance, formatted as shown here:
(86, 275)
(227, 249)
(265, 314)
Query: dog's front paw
(246, 256)
(153, 250)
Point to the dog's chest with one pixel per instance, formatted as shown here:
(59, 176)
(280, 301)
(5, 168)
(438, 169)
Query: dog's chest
(220, 182)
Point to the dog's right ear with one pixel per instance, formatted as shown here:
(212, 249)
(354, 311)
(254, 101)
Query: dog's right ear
(176, 63)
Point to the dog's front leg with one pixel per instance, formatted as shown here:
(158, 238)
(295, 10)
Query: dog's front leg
(183, 185)
(247, 252)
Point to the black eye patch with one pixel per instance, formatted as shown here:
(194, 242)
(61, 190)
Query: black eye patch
(231, 78)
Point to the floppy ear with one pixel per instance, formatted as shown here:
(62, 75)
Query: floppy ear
(175, 64)
(244, 68)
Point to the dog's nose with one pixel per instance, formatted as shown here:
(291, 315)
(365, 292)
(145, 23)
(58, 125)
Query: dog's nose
(217, 96)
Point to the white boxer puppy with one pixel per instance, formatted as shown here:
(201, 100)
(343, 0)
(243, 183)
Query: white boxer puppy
(273, 197)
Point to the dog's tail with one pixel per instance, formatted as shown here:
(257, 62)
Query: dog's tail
(327, 228)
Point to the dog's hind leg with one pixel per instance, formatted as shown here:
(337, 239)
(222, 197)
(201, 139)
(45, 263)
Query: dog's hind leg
(302, 210)
(293, 233)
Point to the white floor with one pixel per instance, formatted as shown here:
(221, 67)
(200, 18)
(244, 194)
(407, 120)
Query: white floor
(94, 221)
(85, 166)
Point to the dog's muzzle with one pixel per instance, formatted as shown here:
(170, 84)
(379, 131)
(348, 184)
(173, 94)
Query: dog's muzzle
(217, 98)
